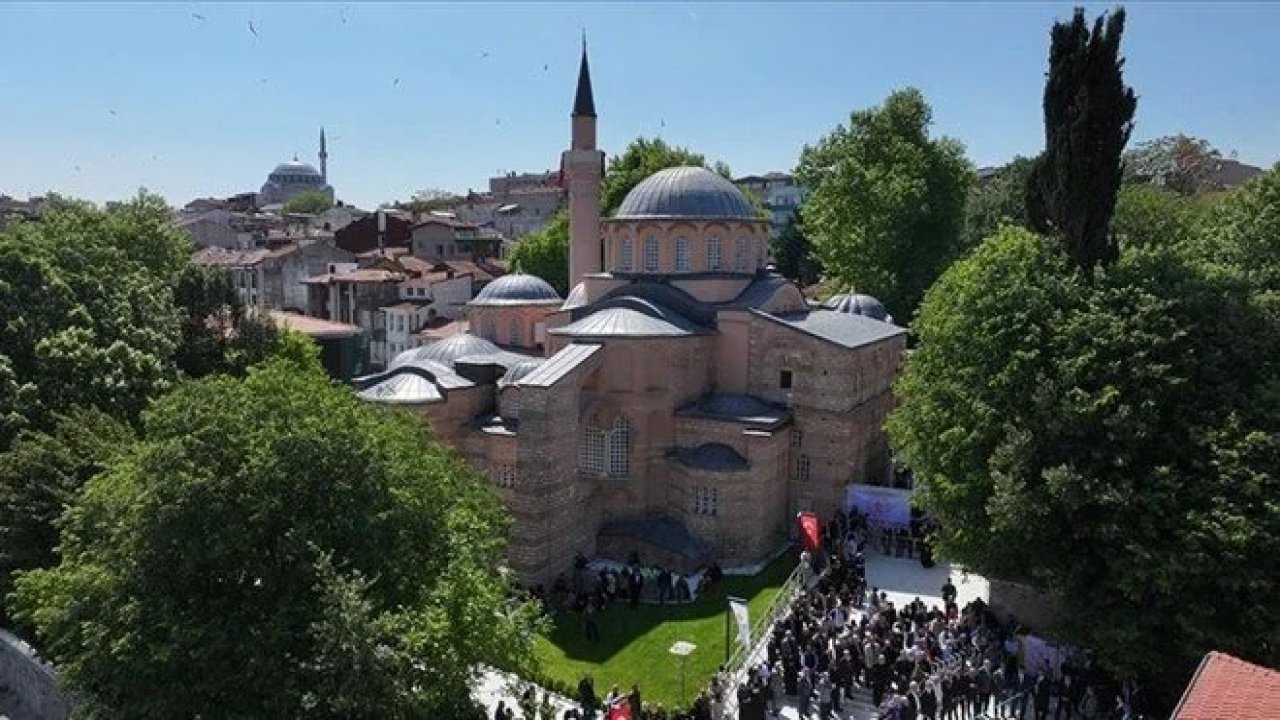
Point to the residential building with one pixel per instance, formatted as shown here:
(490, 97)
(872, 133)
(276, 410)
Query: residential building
(778, 193)
(274, 277)
(438, 238)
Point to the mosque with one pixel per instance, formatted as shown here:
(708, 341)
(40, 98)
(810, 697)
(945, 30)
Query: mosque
(293, 178)
(683, 403)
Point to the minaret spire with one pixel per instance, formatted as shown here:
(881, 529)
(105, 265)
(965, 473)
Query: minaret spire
(584, 102)
(324, 158)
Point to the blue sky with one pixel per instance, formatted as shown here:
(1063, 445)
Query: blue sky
(99, 99)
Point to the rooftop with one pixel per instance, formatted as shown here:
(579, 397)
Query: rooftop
(843, 329)
(313, 326)
(745, 409)
(686, 192)
(1228, 688)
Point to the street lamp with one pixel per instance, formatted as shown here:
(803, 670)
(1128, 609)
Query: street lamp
(682, 649)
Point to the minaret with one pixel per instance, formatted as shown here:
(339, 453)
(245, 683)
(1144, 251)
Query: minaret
(324, 159)
(583, 168)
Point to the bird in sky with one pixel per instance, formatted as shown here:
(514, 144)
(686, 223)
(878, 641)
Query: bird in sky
(253, 29)
(484, 54)
(396, 81)
(77, 168)
(112, 113)
(545, 67)
(197, 16)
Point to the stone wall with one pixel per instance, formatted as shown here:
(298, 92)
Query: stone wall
(28, 688)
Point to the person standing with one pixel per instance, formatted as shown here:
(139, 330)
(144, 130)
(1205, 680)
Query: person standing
(804, 692)
(500, 712)
(589, 620)
(634, 701)
(824, 696)
(587, 697)
(1041, 692)
(982, 685)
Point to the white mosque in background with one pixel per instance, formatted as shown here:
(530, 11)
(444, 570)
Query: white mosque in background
(290, 179)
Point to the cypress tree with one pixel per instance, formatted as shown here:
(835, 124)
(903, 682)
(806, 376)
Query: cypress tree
(1088, 115)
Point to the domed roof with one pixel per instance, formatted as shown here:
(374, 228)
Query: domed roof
(686, 192)
(517, 289)
(517, 372)
(295, 168)
(446, 351)
(858, 304)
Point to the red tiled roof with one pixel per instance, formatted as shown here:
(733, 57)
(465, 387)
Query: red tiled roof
(441, 328)
(415, 264)
(1228, 688)
(313, 326)
(482, 272)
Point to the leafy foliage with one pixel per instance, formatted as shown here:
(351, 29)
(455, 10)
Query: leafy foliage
(886, 202)
(1088, 115)
(545, 253)
(40, 476)
(273, 547)
(308, 201)
(86, 311)
(999, 200)
(1179, 163)
(793, 254)
(218, 333)
(1107, 438)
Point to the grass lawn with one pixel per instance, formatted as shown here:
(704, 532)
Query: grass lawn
(634, 642)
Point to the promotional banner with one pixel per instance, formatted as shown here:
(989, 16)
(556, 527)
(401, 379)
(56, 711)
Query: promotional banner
(743, 617)
(881, 505)
(810, 530)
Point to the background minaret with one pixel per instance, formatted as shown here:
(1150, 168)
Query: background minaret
(583, 167)
(324, 159)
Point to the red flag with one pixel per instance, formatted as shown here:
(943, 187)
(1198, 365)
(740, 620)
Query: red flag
(810, 530)
(621, 710)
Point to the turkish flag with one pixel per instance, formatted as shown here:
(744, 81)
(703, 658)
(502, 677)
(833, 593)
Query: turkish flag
(621, 710)
(810, 530)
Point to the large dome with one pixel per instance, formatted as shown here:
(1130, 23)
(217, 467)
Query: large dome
(686, 192)
(295, 168)
(446, 351)
(517, 289)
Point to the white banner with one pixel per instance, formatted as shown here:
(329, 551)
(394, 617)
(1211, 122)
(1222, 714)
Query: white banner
(743, 616)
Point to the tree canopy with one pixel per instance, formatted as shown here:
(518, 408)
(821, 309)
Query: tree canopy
(998, 200)
(1180, 163)
(219, 334)
(545, 253)
(885, 208)
(272, 547)
(87, 317)
(308, 201)
(1105, 439)
(793, 254)
(1088, 115)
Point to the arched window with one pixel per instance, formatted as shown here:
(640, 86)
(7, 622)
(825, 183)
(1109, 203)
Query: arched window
(517, 337)
(742, 256)
(651, 254)
(713, 253)
(626, 253)
(620, 448)
(682, 254)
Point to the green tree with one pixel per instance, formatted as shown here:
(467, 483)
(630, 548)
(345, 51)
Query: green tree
(793, 254)
(998, 200)
(545, 253)
(40, 476)
(1106, 438)
(309, 202)
(885, 208)
(1244, 235)
(273, 547)
(87, 317)
(1088, 115)
(1152, 217)
(219, 334)
(1179, 162)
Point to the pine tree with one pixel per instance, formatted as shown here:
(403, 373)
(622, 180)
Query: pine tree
(1088, 115)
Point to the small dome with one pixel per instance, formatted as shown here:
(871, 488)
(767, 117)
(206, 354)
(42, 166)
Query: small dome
(577, 297)
(517, 372)
(686, 192)
(295, 168)
(858, 304)
(517, 289)
(446, 351)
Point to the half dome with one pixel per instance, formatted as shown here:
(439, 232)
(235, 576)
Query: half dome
(517, 289)
(858, 304)
(446, 351)
(686, 192)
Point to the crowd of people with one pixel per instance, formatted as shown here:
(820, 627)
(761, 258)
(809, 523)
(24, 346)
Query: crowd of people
(840, 640)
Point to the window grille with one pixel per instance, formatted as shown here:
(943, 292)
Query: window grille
(591, 459)
(706, 501)
(516, 338)
(713, 253)
(506, 476)
(682, 254)
(624, 262)
(742, 258)
(803, 467)
(796, 437)
(620, 448)
(651, 254)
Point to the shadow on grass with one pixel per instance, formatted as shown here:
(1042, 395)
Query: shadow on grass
(621, 625)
